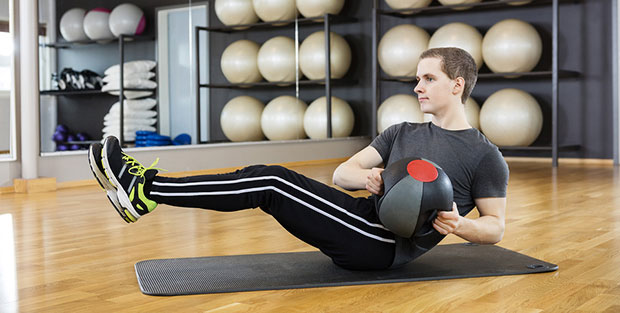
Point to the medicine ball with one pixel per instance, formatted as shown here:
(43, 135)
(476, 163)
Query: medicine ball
(414, 190)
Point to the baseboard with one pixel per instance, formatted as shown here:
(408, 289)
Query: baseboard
(42, 184)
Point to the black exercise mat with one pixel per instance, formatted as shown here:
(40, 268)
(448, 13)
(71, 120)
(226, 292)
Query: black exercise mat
(166, 277)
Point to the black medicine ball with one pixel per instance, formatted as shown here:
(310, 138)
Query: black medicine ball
(414, 190)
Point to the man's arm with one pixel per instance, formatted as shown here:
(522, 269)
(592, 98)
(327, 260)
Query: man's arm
(487, 229)
(360, 172)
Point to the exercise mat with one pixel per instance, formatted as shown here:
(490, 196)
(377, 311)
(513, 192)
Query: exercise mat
(185, 276)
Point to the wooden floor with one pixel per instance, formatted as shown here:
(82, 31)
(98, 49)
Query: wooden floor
(68, 251)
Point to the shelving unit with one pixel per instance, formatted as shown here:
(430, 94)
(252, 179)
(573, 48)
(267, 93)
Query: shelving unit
(328, 82)
(554, 73)
(122, 40)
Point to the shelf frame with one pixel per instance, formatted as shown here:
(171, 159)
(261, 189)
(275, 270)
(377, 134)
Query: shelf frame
(555, 73)
(121, 41)
(450, 9)
(326, 20)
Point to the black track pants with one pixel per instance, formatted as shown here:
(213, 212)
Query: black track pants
(345, 228)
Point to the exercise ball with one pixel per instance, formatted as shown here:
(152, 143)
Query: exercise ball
(455, 2)
(511, 46)
(127, 19)
(235, 12)
(240, 119)
(276, 59)
(397, 109)
(400, 48)
(72, 25)
(96, 25)
(407, 4)
(472, 112)
(275, 10)
(315, 118)
(312, 56)
(239, 62)
(314, 8)
(414, 190)
(511, 117)
(283, 118)
(459, 35)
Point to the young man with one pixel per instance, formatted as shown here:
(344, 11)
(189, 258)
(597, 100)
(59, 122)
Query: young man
(346, 229)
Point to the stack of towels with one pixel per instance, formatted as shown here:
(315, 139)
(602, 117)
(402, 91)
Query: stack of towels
(139, 113)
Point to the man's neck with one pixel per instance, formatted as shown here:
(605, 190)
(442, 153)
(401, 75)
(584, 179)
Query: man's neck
(453, 118)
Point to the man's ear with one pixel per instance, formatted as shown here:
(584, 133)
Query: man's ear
(459, 85)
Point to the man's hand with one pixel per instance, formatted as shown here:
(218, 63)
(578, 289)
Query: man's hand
(447, 221)
(374, 181)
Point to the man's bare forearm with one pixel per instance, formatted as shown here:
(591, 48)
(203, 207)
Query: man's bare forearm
(483, 230)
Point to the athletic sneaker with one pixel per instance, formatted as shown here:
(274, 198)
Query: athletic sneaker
(94, 161)
(129, 178)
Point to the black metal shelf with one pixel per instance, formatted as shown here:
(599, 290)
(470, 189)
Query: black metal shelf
(505, 76)
(316, 82)
(83, 43)
(86, 92)
(325, 20)
(279, 24)
(437, 9)
(122, 40)
(553, 74)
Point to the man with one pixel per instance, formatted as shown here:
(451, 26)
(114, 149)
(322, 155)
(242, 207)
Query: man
(346, 229)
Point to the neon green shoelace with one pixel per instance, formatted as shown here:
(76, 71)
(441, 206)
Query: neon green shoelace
(138, 169)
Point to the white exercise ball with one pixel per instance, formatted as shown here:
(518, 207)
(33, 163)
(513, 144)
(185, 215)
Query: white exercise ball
(235, 12)
(72, 25)
(240, 119)
(511, 46)
(397, 109)
(239, 62)
(127, 19)
(314, 8)
(315, 118)
(275, 10)
(407, 4)
(276, 59)
(96, 25)
(511, 117)
(283, 118)
(312, 56)
(472, 112)
(459, 35)
(454, 2)
(400, 48)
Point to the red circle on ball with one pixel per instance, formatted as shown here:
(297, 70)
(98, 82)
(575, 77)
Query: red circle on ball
(422, 170)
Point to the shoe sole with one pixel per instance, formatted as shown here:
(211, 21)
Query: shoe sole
(105, 184)
(123, 197)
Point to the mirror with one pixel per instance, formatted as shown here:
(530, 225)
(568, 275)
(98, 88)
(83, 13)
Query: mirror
(7, 85)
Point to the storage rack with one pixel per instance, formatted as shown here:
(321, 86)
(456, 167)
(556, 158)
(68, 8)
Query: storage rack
(326, 20)
(555, 73)
(122, 40)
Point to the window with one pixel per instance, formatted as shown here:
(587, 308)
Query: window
(6, 52)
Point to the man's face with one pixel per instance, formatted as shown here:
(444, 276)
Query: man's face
(434, 87)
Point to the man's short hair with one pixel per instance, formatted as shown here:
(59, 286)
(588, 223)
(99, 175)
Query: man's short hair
(456, 62)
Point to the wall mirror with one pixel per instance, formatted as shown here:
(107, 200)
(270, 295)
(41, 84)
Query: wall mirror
(7, 83)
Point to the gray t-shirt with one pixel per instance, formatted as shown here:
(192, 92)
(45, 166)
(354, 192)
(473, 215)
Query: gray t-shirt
(474, 165)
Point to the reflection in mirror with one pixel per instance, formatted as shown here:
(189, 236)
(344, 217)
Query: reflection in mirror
(176, 53)
(6, 81)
